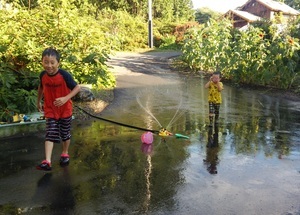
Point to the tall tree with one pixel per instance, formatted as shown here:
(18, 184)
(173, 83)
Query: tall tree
(204, 14)
(183, 10)
(169, 10)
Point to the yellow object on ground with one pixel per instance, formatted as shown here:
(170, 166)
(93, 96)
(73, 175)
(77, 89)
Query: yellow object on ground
(16, 118)
(164, 133)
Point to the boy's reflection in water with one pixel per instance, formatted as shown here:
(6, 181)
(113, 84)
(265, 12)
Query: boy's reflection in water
(212, 150)
(55, 193)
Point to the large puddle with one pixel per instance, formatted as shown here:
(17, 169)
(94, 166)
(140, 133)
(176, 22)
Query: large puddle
(248, 164)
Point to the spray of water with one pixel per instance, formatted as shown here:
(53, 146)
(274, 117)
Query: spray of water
(150, 102)
(147, 110)
(177, 114)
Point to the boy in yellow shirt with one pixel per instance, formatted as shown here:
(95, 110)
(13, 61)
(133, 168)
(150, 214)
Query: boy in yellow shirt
(215, 87)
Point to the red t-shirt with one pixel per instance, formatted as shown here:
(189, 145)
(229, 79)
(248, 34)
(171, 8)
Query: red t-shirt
(58, 85)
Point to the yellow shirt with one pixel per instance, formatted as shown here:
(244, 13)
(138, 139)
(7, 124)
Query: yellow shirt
(214, 95)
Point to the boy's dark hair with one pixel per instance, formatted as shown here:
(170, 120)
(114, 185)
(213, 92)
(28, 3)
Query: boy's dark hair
(218, 73)
(51, 52)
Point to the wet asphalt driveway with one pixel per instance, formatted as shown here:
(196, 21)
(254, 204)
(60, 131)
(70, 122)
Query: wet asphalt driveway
(248, 164)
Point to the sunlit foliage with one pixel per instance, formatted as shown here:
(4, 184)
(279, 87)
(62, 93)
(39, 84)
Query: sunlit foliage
(84, 31)
(259, 55)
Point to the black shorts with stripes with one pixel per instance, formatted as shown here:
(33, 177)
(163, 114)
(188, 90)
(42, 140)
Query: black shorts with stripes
(58, 129)
(214, 108)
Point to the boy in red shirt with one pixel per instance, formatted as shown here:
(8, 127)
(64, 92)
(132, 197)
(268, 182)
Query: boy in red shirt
(57, 87)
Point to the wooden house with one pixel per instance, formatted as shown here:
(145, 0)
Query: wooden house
(241, 18)
(254, 10)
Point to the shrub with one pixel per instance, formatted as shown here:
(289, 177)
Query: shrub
(83, 48)
(259, 56)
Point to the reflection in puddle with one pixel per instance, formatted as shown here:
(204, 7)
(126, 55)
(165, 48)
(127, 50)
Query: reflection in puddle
(252, 154)
(147, 150)
(212, 150)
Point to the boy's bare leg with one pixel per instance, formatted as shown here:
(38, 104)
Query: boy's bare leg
(64, 158)
(46, 164)
(48, 150)
(65, 146)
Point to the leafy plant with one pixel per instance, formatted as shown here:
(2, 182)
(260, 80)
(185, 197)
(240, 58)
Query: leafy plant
(261, 55)
(82, 46)
(208, 47)
(84, 32)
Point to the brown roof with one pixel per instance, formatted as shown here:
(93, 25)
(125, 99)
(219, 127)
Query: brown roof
(245, 15)
(275, 6)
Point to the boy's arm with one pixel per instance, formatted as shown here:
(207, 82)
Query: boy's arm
(39, 98)
(62, 100)
(220, 86)
(208, 83)
(75, 90)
